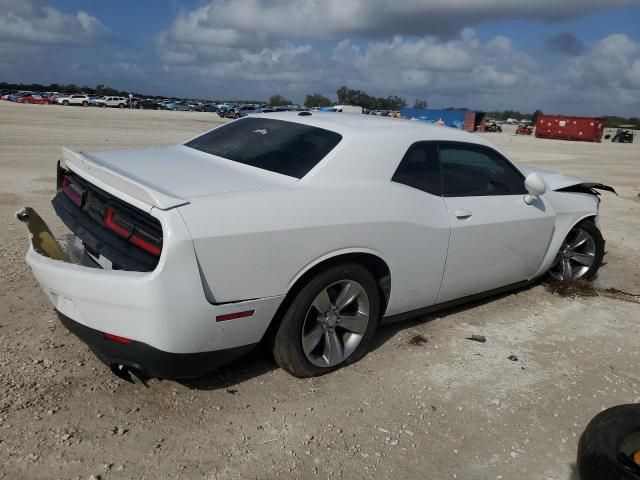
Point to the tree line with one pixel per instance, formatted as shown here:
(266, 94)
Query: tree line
(349, 96)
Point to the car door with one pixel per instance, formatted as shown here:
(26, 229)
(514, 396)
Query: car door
(422, 248)
(496, 238)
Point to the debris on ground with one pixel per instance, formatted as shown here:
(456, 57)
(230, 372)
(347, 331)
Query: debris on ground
(583, 288)
(513, 358)
(478, 338)
(418, 340)
(574, 289)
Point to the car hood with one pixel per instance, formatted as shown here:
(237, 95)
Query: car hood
(559, 182)
(176, 172)
(554, 180)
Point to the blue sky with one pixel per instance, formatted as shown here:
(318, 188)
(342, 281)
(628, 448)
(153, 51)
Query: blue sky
(562, 56)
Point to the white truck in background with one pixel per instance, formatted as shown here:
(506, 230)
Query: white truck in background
(346, 109)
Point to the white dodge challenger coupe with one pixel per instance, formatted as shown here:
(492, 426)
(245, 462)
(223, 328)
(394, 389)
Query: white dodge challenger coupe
(306, 230)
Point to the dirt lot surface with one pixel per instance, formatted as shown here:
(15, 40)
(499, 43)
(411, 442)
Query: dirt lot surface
(425, 403)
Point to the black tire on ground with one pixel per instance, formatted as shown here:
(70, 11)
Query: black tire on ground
(85, 103)
(65, 103)
(604, 440)
(287, 340)
(121, 105)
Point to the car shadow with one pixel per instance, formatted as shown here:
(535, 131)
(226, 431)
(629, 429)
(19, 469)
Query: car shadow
(259, 361)
(385, 332)
(254, 364)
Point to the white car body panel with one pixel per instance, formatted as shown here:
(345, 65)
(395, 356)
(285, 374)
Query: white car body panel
(238, 237)
(504, 238)
(285, 244)
(166, 308)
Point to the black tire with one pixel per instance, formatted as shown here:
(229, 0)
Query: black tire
(121, 105)
(605, 439)
(65, 103)
(589, 227)
(85, 103)
(287, 340)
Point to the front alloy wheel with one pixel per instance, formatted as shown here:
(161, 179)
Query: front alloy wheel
(580, 255)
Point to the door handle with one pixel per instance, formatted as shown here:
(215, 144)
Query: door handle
(463, 214)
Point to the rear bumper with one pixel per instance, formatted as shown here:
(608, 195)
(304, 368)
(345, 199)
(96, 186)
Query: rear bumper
(150, 361)
(165, 310)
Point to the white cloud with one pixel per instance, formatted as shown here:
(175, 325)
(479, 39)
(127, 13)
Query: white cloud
(253, 22)
(610, 63)
(28, 21)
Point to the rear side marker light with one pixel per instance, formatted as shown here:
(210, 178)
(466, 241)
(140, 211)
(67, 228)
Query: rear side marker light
(117, 339)
(235, 316)
(73, 191)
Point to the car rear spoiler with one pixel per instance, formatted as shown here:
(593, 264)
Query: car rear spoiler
(89, 167)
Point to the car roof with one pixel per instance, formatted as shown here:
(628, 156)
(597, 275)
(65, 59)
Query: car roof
(353, 124)
(372, 146)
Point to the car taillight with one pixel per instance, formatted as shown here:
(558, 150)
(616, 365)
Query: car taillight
(140, 236)
(118, 223)
(146, 241)
(72, 190)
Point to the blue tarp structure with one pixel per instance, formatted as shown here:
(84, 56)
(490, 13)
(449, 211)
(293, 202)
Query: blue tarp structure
(451, 118)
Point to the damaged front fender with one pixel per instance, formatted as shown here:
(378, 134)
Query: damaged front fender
(559, 182)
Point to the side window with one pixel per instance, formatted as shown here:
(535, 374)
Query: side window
(468, 170)
(420, 169)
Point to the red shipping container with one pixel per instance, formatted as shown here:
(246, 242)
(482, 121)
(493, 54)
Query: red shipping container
(586, 129)
(469, 121)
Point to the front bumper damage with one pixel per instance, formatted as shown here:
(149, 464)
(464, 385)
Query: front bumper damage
(161, 321)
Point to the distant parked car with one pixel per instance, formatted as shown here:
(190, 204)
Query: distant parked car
(240, 111)
(196, 106)
(245, 110)
(110, 101)
(524, 130)
(15, 96)
(35, 99)
(182, 107)
(73, 100)
(5, 94)
(147, 104)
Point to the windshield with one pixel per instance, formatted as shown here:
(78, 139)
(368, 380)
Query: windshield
(287, 148)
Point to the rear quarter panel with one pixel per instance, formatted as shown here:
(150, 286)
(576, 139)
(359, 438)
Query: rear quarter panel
(255, 244)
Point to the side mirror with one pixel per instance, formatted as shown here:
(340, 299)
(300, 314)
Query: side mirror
(535, 186)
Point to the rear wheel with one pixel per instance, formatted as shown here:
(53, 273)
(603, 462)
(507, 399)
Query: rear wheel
(85, 103)
(121, 105)
(580, 255)
(329, 323)
(65, 103)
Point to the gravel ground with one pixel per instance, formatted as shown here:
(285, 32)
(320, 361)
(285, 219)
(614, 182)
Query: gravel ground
(425, 403)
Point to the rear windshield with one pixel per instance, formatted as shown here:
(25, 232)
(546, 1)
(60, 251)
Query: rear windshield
(283, 147)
